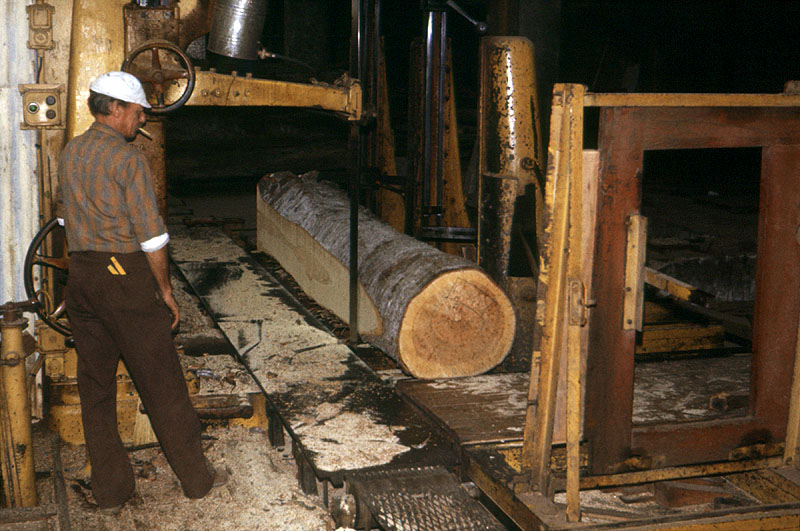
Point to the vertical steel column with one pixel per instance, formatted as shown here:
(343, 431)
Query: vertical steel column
(360, 68)
(435, 64)
(440, 92)
(19, 477)
(426, 141)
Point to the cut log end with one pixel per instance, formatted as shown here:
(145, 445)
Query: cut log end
(461, 324)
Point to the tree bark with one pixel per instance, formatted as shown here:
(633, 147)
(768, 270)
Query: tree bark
(436, 314)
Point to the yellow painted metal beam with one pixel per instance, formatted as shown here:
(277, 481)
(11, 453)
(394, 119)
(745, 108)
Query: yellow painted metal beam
(224, 90)
(691, 100)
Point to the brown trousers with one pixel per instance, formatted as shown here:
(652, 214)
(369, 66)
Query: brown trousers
(115, 316)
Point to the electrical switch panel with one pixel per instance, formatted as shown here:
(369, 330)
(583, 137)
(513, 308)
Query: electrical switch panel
(42, 106)
(40, 26)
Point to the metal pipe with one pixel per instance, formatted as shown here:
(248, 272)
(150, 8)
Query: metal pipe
(376, 53)
(440, 93)
(355, 184)
(428, 140)
(480, 27)
(16, 414)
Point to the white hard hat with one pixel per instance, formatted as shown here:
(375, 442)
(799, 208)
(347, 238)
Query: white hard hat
(122, 86)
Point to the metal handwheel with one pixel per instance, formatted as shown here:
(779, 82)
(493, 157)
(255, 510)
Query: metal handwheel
(48, 252)
(158, 81)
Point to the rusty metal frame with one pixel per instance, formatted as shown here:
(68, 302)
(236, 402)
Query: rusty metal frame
(630, 125)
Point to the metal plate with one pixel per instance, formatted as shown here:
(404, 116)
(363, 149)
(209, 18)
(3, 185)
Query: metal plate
(420, 499)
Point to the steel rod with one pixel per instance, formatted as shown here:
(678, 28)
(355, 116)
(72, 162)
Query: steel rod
(440, 93)
(428, 140)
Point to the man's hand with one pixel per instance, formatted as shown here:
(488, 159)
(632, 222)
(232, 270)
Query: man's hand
(159, 265)
(169, 300)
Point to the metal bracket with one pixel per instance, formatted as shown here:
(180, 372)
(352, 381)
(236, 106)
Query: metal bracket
(633, 298)
(579, 303)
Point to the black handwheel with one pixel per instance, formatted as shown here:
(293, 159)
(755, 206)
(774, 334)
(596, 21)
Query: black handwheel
(51, 239)
(158, 80)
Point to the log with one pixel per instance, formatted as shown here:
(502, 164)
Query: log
(437, 315)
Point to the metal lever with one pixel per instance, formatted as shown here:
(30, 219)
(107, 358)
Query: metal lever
(480, 27)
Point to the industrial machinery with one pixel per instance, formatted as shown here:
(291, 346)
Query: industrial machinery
(560, 232)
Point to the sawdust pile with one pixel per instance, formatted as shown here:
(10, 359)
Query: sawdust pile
(344, 440)
(262, 492)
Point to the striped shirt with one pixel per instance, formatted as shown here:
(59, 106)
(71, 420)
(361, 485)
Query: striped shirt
(106, 193)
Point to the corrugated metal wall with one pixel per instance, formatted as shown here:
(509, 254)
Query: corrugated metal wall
(19, 195)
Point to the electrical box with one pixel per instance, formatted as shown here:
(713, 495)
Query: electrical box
(40, 26)
(42, 106)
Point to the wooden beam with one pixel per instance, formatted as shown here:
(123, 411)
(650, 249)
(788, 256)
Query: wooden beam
(691, 100)
(609, 371)
(528, 516)
(680, 337)
(670, 473)
(791, 455)
(576, 310)
(553, 271)
(633, 299)
(565, 158)
(677, 288)
(762, 487)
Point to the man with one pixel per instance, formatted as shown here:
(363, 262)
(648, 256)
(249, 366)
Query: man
(119, 295)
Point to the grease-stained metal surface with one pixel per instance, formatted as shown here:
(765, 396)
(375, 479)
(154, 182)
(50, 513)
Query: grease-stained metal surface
(19, 204)
(511, 157)
(339, 412)
(512, 142)
(499, 197)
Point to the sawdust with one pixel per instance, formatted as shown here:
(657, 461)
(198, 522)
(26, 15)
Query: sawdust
(205, 246)
(347, 441)
(680, 390)
(276, 365)
(219, 374)
(261, 494)
(287, 354)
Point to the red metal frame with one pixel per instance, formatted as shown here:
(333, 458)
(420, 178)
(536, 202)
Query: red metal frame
(625, 134)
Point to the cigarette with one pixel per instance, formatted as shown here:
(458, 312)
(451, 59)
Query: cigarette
(145, 133)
